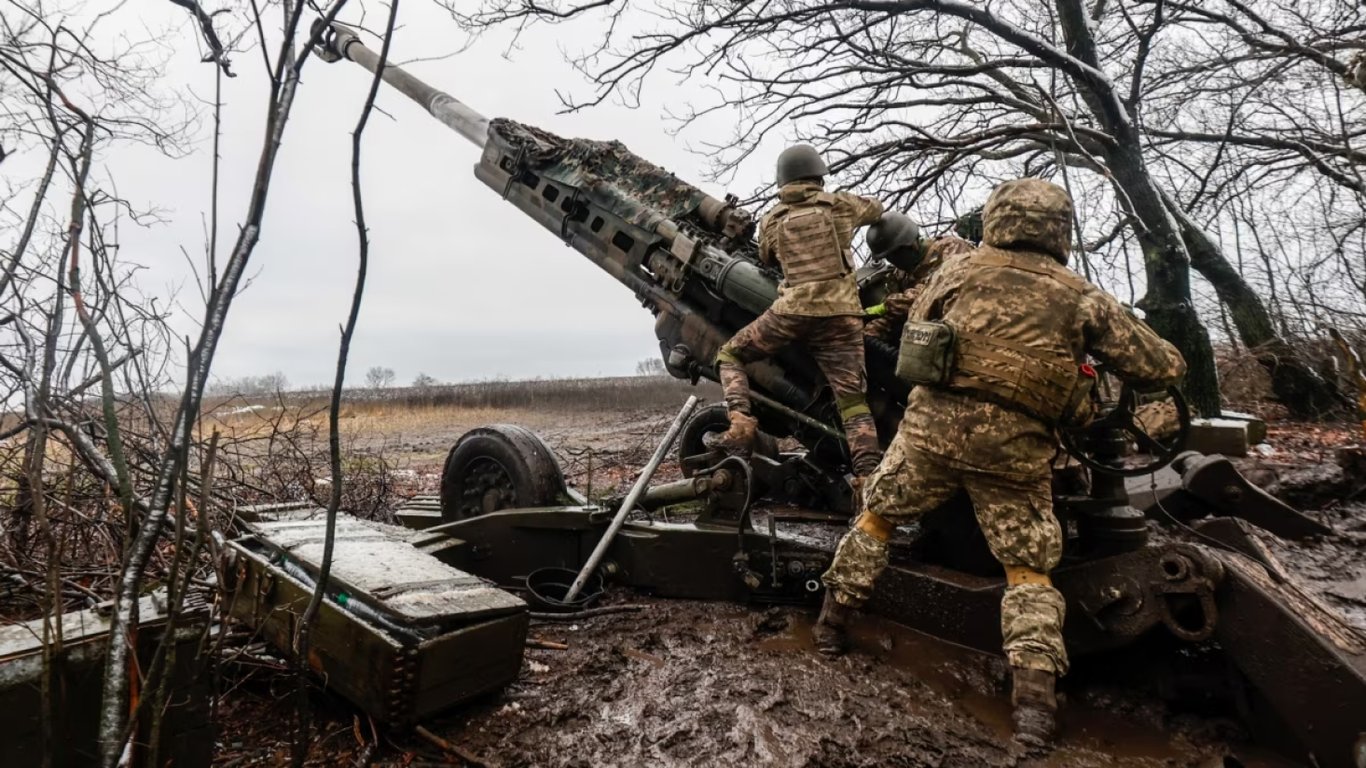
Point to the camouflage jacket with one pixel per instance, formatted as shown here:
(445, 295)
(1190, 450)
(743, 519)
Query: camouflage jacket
(904, 287)
(806, 253)
(1038, 305)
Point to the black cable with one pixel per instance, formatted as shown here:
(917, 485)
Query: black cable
(585, 614)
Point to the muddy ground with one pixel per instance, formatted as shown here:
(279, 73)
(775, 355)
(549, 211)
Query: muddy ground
(683, 683)
(678, 683)
(694, 684)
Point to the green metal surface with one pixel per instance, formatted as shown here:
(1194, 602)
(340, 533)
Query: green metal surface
(401, 636)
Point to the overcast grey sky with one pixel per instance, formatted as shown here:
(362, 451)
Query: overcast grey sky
(461, 286)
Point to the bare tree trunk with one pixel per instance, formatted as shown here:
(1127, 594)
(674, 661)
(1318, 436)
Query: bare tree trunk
(1166, 260)
(284, 85)
(1302, 390)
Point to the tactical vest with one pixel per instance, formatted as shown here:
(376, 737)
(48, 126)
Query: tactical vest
(808, 244)
(1000, 365)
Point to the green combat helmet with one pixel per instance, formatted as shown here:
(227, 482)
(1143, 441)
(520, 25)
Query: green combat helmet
(798, 162)
(1029, 215)
(895, 238)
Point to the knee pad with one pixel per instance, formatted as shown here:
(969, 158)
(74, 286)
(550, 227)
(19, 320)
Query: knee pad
(1019, 575)
(852, 405)
(876, 526)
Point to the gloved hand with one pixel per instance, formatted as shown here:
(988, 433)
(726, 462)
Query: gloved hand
(877, 310)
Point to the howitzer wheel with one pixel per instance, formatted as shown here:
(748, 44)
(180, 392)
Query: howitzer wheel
(713, 420)
(501, 466)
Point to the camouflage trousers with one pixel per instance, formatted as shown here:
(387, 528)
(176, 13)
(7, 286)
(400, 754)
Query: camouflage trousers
(1016, 516)
(836, 343)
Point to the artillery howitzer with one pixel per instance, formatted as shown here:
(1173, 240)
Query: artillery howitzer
(690, 259)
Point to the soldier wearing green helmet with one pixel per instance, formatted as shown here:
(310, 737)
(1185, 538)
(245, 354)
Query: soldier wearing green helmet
(809, 234)
(896, 239)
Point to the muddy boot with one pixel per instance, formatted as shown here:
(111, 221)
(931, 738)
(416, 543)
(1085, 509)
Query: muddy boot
(830, 632)
(739, 439)
(1035, 704)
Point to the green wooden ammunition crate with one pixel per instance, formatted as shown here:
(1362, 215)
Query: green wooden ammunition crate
(401, 634)
(185, 735)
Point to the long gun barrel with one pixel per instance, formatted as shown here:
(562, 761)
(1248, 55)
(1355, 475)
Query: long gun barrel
(343, 43)
(585, 164)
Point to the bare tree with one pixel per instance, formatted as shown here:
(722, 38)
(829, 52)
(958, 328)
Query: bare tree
(379, 377)
(74, 322)
(334, 501)
(651, 366)
(265, 384)
(930, 101)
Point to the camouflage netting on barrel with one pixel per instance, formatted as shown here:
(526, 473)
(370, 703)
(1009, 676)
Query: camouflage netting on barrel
(628, 185)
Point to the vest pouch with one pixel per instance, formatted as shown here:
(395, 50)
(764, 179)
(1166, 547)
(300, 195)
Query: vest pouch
(926, 355)
(1016, 375)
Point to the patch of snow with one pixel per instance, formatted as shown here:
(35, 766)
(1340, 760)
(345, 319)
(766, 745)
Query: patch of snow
(242, 409)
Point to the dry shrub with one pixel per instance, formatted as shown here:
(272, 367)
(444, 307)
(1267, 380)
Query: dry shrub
(1246, 384)
(279, 453)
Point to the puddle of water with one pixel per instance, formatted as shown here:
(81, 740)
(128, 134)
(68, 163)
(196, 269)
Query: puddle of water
(968, 678)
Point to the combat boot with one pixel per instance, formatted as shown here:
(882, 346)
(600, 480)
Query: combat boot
(831, 631)
(739, 439)
(1032, 695)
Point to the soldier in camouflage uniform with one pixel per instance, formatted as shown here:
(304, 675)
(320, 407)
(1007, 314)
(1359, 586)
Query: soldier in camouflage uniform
(808, 233)
(913, 263)
(1024, 325)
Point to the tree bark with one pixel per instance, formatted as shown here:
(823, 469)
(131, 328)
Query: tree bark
(1296, 385)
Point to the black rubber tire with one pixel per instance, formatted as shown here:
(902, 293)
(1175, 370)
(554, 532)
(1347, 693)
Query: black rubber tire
(501, 466)
(713, 419)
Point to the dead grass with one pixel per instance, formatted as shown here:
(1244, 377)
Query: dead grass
(417, 426)
(612, 393)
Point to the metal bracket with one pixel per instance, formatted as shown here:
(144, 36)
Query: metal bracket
(1187, 576)
(518, 165)
(574, 198)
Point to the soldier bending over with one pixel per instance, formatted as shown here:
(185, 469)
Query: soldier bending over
(808, 233)
(1024, 325)
(895, 238)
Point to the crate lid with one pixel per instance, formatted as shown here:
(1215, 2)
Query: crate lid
(378, 564)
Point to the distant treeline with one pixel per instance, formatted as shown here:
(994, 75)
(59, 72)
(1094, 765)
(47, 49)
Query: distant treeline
(584, 393)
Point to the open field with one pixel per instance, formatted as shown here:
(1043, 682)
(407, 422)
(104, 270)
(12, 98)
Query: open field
(608, 425)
